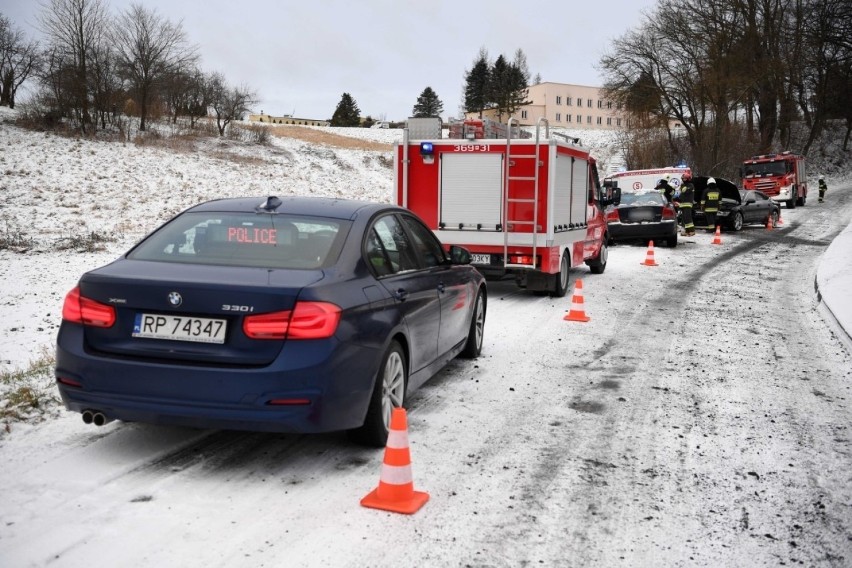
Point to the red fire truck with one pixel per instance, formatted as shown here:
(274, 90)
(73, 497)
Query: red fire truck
(527, 207)
(780, 176)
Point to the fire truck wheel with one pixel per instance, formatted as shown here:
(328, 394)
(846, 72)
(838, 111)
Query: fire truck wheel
(560, 287)
(473, 347)
(791, 204)
(598, 265)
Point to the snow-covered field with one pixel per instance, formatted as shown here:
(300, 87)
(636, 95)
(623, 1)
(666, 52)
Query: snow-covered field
(64, 197)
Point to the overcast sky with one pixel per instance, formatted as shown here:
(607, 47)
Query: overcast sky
(300, 56)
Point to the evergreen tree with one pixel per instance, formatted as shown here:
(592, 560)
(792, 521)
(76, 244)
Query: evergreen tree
(519, 79)
(477, 80)
(347, 112)
(428, 104)
(500, 86)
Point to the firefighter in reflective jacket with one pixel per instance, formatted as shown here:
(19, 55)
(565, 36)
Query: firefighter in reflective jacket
(710, 203)
(685, 202)
(665, 187)
(822, 188)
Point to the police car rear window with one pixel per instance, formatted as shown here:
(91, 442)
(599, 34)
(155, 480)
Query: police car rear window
(245, 239)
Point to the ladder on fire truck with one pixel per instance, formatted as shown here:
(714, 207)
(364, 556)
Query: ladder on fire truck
(512, 188)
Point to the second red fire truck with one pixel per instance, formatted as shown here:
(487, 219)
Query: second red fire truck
(527, 207)
(780, 176)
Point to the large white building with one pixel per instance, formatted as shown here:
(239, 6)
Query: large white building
(568, 106)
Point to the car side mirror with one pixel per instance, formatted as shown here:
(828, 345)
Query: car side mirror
(616, 195)
(459, 255)
(611, 197)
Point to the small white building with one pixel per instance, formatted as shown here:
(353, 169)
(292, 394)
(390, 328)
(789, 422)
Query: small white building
(286, 119)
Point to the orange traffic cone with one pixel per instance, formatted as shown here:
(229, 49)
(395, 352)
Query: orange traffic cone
(649, 258)
(577, 313)
(396, 486)
(717, 238)
(769, 222)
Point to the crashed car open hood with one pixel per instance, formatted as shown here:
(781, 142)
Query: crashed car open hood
(728, 189)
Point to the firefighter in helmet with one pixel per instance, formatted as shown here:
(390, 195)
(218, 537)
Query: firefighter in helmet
(710, 203)
(665, 187)
(822, 187)
(685, 203)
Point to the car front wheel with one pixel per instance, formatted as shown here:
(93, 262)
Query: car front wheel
(388, 393)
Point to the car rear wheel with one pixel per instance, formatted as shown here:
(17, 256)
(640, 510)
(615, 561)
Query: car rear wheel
(671, 242)
(388, 393)
(737, 221)
(473, 347)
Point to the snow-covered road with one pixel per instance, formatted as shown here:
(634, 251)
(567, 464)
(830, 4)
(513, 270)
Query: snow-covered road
(701, 418)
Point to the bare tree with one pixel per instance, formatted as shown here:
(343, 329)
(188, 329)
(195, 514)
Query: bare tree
(734, 70)
(199, 96)
(174, 92)
(828, 50)
(150, 49)
(74, 28)
(229, 103)
(19, 59)
(104, 85)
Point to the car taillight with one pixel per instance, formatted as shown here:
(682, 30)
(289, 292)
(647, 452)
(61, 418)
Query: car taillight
(669, 212)
(82, 310)
(308, 320)
(612, 215)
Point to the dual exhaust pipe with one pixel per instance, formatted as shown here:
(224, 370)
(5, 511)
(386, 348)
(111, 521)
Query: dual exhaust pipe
(95, 417)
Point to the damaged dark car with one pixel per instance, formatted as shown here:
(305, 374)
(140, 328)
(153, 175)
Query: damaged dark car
(737, 207)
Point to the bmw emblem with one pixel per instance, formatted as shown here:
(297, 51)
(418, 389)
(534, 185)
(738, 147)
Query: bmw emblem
(175, 299)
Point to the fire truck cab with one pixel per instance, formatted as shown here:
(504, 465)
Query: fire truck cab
(523, 206)
(780, 176)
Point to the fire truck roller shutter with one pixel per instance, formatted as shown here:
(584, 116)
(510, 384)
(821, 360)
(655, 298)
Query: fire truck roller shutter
(471, 190)
(562, 200)
(579, 192)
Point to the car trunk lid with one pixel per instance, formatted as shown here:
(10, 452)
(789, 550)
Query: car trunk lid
(640, 214)
(189, 313)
